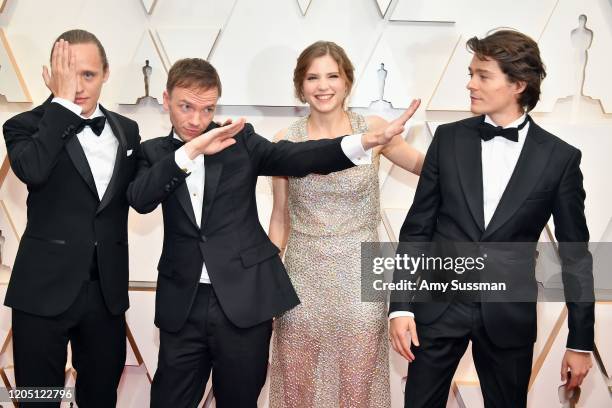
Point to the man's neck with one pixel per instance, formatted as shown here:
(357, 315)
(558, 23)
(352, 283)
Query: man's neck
(504, 118)
(91, 113)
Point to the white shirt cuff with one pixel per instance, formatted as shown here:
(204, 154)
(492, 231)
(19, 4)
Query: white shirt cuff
(183, 161)
(71, 106)
(406, 313)
(579, 351)
(353, 149)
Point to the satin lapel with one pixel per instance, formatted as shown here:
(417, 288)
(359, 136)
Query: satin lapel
(181, 192)
(468, 155)
(121, 152)
(77, 155)
(530, 165)
(212, 175)
(182, 195)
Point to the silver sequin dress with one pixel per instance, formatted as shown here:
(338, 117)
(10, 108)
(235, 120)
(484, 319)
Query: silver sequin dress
(332, 349)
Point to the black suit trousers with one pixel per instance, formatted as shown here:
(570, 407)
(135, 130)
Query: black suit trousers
(97, 340)
(503, 372)
(208, 341)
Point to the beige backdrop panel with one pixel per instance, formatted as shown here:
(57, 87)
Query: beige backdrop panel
(254, 45)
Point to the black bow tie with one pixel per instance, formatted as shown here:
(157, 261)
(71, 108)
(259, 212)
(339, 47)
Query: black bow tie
(96, 125)
(488, 131)
(177, 143)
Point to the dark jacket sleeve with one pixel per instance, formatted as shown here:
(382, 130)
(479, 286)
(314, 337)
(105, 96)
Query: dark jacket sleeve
(155, 180)
(419, 225)
(33, 147)
(286, 158)
(576, 261)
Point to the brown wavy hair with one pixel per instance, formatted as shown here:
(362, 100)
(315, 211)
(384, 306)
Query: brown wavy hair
(518, 57)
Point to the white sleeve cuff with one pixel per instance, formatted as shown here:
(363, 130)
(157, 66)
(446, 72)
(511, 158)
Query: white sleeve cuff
(71, 106)
(579, 351)
(353, 149)
(183, 161)
(393, 315)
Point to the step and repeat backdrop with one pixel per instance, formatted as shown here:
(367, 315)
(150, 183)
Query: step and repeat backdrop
(401, 49)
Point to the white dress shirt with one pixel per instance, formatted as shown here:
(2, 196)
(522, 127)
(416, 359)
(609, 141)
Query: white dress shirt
(499, 158)
(351, 146)
(100, 151)
(195, 186)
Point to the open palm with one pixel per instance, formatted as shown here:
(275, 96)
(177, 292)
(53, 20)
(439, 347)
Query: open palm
(218, 139)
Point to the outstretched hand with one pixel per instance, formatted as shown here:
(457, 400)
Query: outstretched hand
(214, 140)
(394, 128)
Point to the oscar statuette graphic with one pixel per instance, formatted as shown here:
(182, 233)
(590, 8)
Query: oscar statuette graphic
(381, 104)
(147, 71)
(581, 39)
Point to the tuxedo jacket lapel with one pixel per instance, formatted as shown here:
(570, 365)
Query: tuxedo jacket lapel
(213, 167)
(212, 175)
(468, 155)
(181, 192)
(77, 155)
(121, 152)
(531, 163)
(182, 195)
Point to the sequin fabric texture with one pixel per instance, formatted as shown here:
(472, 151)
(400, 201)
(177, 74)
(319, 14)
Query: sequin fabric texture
(332, 349)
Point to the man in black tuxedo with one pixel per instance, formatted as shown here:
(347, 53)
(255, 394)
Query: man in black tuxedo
(220, 279)
(70, 278)
(484, 184)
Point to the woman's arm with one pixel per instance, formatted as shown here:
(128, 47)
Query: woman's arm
(279, 221)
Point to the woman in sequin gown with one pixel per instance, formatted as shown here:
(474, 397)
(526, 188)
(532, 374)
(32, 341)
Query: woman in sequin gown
(332, 349)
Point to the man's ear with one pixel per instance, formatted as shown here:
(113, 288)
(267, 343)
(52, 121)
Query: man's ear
(519, 87)
(166, 101)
